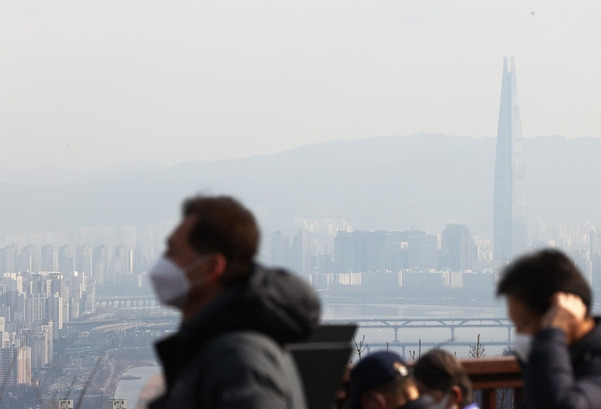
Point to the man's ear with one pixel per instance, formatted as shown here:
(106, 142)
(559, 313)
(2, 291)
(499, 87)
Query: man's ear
(217, 265)
(456, 396)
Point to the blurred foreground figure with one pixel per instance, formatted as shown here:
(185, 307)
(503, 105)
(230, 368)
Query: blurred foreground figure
(440, 376)
(382, 381)
(557, 340)
(236, 315)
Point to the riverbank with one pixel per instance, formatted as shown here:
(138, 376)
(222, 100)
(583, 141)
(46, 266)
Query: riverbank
(136, 380)
(116, 363)
(128, 378)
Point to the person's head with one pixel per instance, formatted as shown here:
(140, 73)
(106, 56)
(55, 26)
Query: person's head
(530, 282)
(440, 375)
(221, 225)
(212, 248)
(381, 381)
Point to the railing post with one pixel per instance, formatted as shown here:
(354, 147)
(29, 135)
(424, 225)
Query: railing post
(489, 399)
(518, 396)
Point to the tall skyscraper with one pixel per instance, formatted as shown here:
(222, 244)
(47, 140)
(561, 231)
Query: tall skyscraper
(15, 365)
(458, 250)
(510, 231)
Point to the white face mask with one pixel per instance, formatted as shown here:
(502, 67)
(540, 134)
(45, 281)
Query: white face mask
(170, 281)
(522, 346)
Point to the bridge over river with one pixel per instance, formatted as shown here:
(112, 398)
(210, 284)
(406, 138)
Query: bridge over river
(401, 333)
(419, 327)
(128, 301)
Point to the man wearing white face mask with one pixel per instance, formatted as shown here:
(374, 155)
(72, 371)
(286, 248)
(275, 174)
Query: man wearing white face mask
(558, 342)
(236, 316)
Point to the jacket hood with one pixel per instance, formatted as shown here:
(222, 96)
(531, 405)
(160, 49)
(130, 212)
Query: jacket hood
(271, 301)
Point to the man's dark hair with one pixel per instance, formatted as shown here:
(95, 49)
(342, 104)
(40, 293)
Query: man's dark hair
(439, 370)
(534, 278)
(224, 226)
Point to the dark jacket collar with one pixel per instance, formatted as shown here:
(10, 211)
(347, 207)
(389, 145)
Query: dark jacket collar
(587, 346)
(271, 301)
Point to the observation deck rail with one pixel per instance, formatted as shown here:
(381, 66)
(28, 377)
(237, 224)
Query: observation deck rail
(498, 379)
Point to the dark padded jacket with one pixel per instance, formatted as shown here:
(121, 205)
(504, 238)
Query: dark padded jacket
(231, 355)
(560, 377)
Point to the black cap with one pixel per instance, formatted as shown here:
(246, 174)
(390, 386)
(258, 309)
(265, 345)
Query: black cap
(374, 370)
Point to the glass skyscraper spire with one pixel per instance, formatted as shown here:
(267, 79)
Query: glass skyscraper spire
(510, 231)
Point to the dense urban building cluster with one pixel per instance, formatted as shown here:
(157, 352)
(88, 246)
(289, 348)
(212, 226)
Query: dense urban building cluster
(46, 283)
(33, 310)
(450, 260)
(379, 258)
(109, 266)
(44, 286)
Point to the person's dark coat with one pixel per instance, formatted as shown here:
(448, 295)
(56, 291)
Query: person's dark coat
(231, 354)
(560, 377)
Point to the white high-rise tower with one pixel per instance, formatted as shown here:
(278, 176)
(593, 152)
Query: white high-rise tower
(510, 230)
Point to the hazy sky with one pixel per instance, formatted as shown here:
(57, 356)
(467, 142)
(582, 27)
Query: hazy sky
(87, 84)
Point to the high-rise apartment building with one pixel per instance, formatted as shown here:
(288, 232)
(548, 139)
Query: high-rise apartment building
(458, 249)
(40, 341)
(49, 258)
(280, 249)
(368, 251)
(15, 365)
(510, 230)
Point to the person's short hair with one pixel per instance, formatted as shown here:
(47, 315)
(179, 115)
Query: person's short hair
(440, 370)
(383, 371)
(534, 278)
(223, 225)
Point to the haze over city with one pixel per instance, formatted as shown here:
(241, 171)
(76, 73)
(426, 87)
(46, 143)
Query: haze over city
(91, 85)
(371, 140)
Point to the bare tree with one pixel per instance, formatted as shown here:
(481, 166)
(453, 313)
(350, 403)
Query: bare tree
(476, 351)
(360, 347)
(412, 354)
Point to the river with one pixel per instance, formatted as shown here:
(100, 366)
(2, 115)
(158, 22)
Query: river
(130, 389)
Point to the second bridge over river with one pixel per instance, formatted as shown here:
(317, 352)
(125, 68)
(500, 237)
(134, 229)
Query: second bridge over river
(398, 326)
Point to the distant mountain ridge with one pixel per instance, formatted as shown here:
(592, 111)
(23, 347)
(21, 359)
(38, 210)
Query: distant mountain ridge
(423, 181)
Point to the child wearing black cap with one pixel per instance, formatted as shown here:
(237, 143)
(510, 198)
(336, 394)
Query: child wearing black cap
(382, 380)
